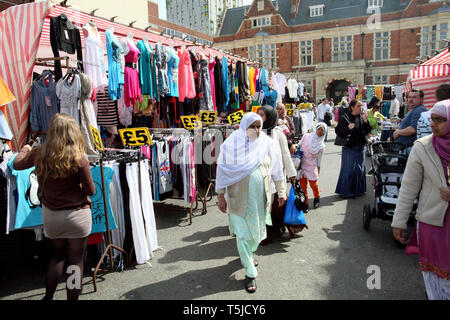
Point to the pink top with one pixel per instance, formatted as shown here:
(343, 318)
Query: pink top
(133, 55)
(310, 162)
(213, 87)
(186, 85)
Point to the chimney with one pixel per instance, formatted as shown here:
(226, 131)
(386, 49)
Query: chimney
(294, 8)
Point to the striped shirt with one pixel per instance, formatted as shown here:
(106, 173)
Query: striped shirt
(107, 112)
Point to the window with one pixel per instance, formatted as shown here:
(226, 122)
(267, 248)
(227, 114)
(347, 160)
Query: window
(375, 3)
(308, 86)
(266, 54)
(342, 48)
(316, 11)
(431, 39)
(381, 45)
(306, 53)
(260, 22)
(381, 80)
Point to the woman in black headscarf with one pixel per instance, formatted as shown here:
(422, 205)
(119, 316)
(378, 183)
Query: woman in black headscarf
(270, 121)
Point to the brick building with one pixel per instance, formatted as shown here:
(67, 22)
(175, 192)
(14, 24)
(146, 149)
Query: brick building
(328, 44)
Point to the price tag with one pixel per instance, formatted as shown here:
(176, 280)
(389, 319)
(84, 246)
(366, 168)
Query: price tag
(290, 112)
(235, 118)
(359, 97)
(308, 105)
(300, 106)
(133, 137)
(208, 117)
(191, 122)
(97, 139)
(255, 109)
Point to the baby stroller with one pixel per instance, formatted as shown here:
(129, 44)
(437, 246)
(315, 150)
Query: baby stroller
(388, 165)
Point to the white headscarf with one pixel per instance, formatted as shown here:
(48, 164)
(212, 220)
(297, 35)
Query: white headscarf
(317, 143)
(239, 155)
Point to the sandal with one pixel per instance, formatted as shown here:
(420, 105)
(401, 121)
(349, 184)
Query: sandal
(250, 283)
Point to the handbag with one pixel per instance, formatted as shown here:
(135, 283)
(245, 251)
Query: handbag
(342, 141)
(292, 215)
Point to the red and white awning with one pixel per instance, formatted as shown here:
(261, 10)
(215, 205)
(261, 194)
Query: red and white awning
(430, 75)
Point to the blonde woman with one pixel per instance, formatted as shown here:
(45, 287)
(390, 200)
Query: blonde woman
(65, 182)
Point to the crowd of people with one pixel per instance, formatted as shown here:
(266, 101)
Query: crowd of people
(253, 188)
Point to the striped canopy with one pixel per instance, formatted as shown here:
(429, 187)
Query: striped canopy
(429, 75)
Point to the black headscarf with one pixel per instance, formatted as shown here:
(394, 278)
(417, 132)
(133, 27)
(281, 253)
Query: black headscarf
(271, 118)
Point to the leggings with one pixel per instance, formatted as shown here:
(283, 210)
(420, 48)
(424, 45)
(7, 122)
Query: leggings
(314, 186)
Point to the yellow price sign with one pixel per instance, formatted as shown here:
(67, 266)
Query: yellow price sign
(308, 105)
(300, 106)
(255, 109)
(191, 122)
(235, 118)
(208, 117)
(359, 97)
(97, 139)
(290, 112)
(133, 137)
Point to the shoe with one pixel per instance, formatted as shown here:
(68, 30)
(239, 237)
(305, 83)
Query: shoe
(256, 263)
(306, 210)
(316, 203)
(250, 283)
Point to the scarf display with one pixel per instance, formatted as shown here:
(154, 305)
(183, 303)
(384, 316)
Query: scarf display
(442, 144)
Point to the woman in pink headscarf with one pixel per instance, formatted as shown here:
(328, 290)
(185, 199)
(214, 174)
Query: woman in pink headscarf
(427, 172)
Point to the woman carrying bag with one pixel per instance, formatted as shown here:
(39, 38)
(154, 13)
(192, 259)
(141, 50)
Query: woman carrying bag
(353, 127)
(247, 166)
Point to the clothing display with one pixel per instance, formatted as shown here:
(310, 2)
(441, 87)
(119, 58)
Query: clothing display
(68, 90)
(132, 87)
(107, 110)
(206, 98)
(172, 73)
(162, 57)
(186, 86)
(115, 71)
(145, 68)
(94, 65)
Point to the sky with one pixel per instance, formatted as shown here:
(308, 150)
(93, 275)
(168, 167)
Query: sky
(163, 12)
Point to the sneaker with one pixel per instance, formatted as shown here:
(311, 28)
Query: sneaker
(316, 203)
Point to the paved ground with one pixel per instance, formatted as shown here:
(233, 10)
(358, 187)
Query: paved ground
(200, 261)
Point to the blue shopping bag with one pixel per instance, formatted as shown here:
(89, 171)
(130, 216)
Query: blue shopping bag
(292, 215)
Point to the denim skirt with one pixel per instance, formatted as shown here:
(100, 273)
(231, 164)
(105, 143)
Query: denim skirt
(352, 178)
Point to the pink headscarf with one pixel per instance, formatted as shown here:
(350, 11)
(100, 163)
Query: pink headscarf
(442, 144)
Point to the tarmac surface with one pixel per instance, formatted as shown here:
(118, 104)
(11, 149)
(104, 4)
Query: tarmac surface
(332, 260)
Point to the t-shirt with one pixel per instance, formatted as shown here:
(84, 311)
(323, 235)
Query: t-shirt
(98, 208)
(423, 125)
(322, 109)
(411, 120)
(27, 214)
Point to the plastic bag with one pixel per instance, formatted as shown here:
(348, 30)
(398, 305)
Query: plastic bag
(292, 215)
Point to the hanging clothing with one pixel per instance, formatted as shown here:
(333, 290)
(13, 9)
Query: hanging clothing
(115, 72)
(218, 83)
(258, 87)
(264, 80)
(165, 175)
(162, 57)
(132, 86)
(233, 101)
(64, 36)
(107, 110)
(186, 86)
(206, 99)
(94, 66)
(44, 102)
(87, 113)
(251, 75)
(225, 83)
(173, 66)
(6, 95)
(145, 68)
(69, 92)
(212, 64)
(387, 93)
(293, 86)
(244, 82)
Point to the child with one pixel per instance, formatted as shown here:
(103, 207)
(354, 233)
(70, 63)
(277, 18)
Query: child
(312, 145)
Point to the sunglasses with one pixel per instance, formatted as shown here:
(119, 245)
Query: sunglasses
(437, 120)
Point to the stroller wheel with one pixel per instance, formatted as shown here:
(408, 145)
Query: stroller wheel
(367, 215)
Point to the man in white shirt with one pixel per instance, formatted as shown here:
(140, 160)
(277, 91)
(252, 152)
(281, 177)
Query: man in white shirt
(323, 108)
(395, 107)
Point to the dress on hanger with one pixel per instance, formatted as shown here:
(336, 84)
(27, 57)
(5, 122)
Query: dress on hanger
(186, 87)
(162, 57)
(212, 64)
(205, 95)
(173, 67)
(145, 73)
(69, 94)
(132, 86)
(115, 73)
(94, 66)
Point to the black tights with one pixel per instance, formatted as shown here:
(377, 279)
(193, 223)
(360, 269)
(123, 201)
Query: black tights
(72, 250)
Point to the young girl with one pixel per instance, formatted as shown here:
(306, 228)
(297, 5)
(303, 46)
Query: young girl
(312, 145)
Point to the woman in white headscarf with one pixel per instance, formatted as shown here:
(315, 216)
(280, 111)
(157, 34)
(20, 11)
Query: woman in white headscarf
(247, 167)
(313, 146)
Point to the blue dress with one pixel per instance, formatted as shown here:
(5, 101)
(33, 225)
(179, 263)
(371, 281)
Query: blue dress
(115, 72)
(172, 73)
(145, 73)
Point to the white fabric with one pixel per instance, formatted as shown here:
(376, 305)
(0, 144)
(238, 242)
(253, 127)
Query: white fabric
(279, 84)
(321, 109)
(239, 155)
(307, 121)
(94, 55)
(437, 288)
(116, 198)
(395, 108)
(441, 108)
(301, 89)
(292, 88)
(318, 143)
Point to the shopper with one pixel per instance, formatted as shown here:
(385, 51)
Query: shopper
(270, 120)
(352, 177)
(313, 146)
(248, 163)
(407, 133)
(427, 175)
(324, 114)
(286, 124)
(65, 182)
(423, 124)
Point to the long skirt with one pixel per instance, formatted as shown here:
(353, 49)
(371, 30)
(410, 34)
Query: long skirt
(352, 178)
(251, 229)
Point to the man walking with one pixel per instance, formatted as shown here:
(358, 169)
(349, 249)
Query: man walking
(322, 109)
(407, 133)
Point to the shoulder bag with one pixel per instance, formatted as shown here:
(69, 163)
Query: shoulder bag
(342, 141)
